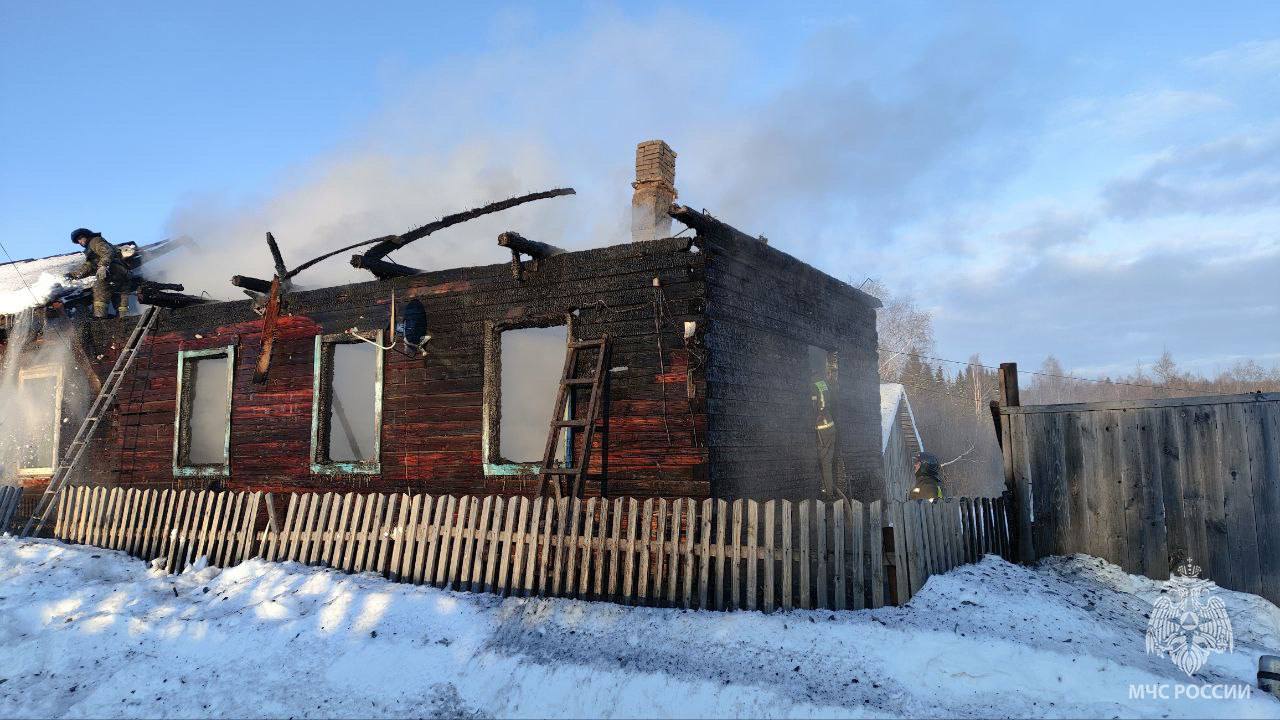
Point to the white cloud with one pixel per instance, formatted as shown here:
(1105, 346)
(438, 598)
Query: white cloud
(1252, 57)
(1236, 173)
(1138, 113)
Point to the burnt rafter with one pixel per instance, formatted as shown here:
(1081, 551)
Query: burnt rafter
(382, 269)
(390, 243)
(254, 284)
(167, 295)
(257, 288)
(270, 317)
(705, 224)
(534, 249)
(269, 300)
(519, 244)
(276, 258)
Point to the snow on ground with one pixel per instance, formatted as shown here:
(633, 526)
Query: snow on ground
(92, 633)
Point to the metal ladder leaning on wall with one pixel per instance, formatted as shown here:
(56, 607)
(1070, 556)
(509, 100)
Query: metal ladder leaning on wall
(597, 409)
(101, 405)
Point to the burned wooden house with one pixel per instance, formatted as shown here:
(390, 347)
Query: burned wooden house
(686, 364)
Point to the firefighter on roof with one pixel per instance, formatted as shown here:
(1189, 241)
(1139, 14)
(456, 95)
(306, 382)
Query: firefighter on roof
(104, 261)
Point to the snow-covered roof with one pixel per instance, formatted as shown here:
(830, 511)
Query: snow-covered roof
(12, 274)
(893, 400)
(24, 283)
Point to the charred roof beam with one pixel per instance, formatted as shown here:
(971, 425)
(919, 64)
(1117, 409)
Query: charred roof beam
(519, 244)
(257, 285)
(705, 224)
(389, 243)
(382, 269)
(166, 295)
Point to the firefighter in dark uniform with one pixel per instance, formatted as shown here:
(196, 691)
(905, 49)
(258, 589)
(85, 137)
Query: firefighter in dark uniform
(104, 261)
(928, 474)
(825, 427)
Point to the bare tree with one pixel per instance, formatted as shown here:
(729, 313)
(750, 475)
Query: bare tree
(903, 327)
(1166, 379)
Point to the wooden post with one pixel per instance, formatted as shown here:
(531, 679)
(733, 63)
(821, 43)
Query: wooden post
(1009, 385)
(1020, 529)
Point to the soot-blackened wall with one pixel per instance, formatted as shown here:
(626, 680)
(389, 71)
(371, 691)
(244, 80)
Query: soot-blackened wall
(433, 407)
(765, 312)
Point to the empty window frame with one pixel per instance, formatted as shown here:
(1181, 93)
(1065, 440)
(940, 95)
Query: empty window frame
(202, 429)
(523, 367)
(39, 410)
(346, 408)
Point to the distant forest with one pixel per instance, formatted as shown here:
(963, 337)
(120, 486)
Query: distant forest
(950, 399)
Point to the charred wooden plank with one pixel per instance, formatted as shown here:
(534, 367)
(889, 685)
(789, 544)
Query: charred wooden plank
(382, 269)
(251, 283)
(276, 257)
(160, 295)
(534, 249)
(390, 243)
(269, 320)
(705, 224)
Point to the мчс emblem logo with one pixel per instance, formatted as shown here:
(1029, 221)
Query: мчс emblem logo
(1189, 622)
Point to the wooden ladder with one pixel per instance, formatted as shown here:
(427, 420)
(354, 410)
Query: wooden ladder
(101, 405)
(597, 410)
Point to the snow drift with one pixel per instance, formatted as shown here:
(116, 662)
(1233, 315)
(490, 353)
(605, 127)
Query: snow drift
(87, 632)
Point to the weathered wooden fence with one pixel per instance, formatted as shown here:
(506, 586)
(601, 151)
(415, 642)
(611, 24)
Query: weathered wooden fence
(1147, 484)
(710, 554)
(10, 497)
(932, 538)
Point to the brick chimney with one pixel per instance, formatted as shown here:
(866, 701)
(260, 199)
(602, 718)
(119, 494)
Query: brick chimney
(655, 190)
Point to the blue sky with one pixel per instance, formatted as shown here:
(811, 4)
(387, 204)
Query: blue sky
(1091, 181)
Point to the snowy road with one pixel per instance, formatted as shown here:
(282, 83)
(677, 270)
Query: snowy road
(91, 633)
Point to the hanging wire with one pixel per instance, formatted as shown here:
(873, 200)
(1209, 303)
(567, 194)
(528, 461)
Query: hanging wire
(936, 391)
(14, 264)
(1041, 374)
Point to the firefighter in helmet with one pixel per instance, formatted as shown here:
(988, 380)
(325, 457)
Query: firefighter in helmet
(105, 262)
(928, 472)
(825, 427)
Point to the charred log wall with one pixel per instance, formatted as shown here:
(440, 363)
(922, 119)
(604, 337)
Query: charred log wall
(432, 406)
(765, 308)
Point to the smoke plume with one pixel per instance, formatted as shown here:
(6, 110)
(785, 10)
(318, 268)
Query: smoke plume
(834, 144)
(43, 393)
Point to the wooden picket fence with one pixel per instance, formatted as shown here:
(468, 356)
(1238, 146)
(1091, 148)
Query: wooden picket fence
(932, 538)
(177, 526)
(10, 497)
(707, 554)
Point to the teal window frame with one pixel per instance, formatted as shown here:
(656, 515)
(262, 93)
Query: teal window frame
(320, 388)
(182, 413)
(491, 418)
